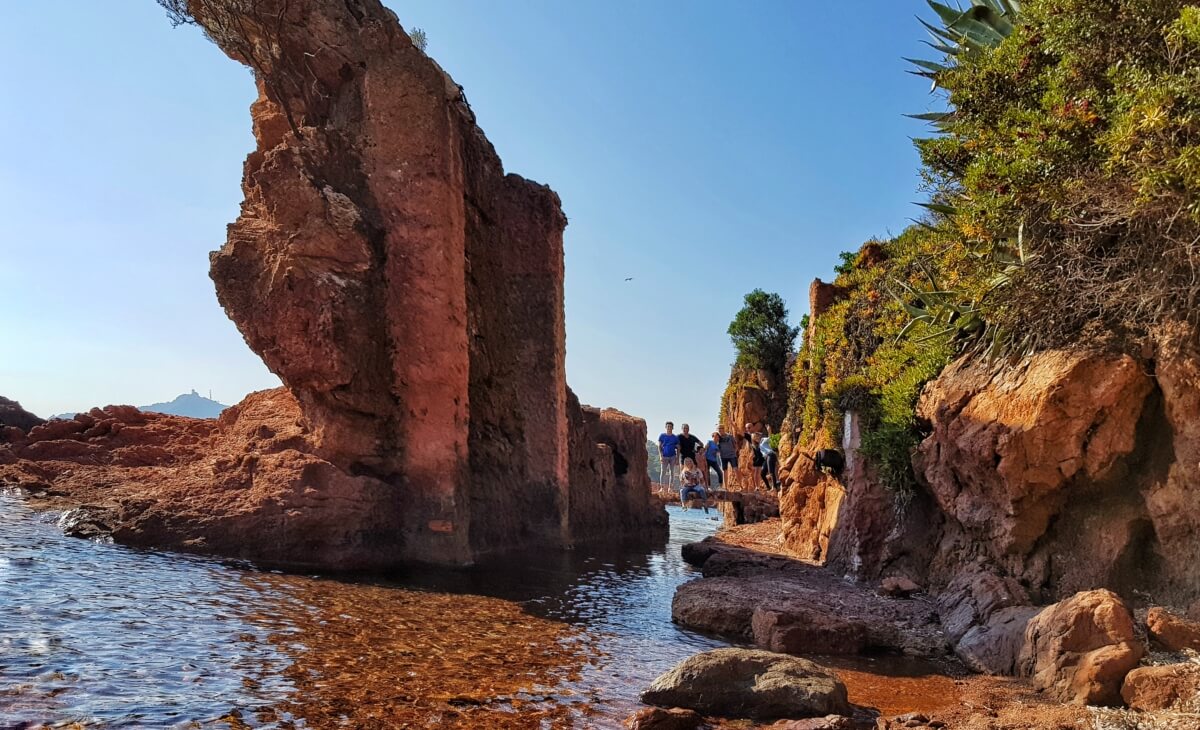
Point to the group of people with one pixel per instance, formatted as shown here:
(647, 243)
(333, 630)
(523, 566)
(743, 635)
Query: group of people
(680, 454)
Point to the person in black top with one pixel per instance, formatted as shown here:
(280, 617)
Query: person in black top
(754, 440)
(688, 444)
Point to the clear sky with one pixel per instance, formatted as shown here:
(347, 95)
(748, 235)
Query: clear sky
(703, 148)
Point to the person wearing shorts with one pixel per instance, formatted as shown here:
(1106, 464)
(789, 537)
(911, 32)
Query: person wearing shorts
(712, 457)
(727, 447)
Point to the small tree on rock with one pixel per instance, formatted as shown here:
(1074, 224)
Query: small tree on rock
(419, 39)
(761, 333)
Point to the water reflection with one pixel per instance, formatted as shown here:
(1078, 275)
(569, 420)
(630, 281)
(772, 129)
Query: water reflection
(105, 636)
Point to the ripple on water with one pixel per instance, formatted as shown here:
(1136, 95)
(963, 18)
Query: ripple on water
(108, 636)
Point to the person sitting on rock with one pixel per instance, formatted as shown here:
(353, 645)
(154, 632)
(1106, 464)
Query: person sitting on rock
(712, 457)
(688, 446)
(668, 449)
(689, 480)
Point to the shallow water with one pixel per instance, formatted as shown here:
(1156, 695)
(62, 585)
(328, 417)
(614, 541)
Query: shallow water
(101, 635)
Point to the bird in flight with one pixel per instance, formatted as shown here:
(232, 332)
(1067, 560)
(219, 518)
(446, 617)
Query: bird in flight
(628, 278)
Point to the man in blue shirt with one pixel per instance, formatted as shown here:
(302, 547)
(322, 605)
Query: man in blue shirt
(668, 449)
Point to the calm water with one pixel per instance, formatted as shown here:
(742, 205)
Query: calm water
(97, 635)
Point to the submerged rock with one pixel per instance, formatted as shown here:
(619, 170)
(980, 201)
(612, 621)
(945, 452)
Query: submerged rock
(656, 718)
(829, 722)
(747, 683)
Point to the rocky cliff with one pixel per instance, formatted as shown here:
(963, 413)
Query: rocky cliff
(1072, 471)
(754, 401)
(409, 293)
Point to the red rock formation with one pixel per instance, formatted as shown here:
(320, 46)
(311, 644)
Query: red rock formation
(1074, 471)
(822, 296)
(12, 415)
(1173, 499)
(1079, 650)
(1172, 632)
(656, 718)
(245, 485)
(755, 401)
(1164, 687)
(1007, 449)
(852, 522)
(409, 294)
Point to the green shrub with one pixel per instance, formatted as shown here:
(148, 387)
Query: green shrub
(1083, 127)
(853, 357)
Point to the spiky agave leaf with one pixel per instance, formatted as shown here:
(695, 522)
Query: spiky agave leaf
(929, 66)
(947, 210)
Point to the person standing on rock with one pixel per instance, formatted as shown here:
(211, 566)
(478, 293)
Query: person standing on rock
(668, 449)
(688, 445)
(712, 455)
(757, 459)
(770, 466)
(728, 447)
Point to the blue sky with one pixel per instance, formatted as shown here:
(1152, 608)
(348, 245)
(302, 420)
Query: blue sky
(703, 148)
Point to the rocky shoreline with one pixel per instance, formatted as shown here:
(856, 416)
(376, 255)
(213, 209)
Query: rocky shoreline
(753, 591)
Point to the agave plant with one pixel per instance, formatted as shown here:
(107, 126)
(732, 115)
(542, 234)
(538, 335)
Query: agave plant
(978, 28)
(948, 313)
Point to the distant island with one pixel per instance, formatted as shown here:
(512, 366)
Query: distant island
(191, 404)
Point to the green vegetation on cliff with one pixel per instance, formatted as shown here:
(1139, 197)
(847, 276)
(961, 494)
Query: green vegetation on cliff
(765, 344)
(854, 357)
(1065, 184)
(1081, 128)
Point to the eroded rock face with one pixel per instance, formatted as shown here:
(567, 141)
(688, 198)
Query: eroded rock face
(1079, 650)
(1173, 501)
(747, 683)
(755, 401)
(14, 416)
(852, 522)
(1069, 472)
(406, 289)
(409, 294)
(1008, 448)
